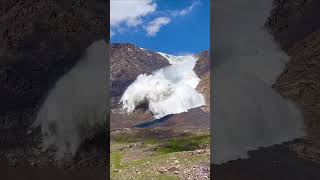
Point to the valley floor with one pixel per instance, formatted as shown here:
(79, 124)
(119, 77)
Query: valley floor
(159, 154)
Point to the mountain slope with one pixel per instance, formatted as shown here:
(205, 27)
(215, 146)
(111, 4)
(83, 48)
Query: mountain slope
(202, 69)
(126, 56)
(127, 62)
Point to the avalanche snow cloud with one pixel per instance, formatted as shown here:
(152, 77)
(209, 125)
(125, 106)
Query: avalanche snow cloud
(170, 90)
(77, 104)
(247, 112)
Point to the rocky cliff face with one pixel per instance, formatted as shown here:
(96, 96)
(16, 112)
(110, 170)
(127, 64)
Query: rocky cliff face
(202, 68)
(127, 62)
(301, 80)
(292, 20)
(203, 63)
(293, 24)
(39, 42)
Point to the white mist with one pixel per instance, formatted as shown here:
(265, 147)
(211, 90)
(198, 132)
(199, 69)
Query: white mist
(247, 112)
(77, 103)
(170, 90)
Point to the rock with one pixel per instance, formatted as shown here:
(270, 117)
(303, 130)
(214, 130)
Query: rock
(202, 69)
(173, 168)
(292, 24)
(202, 65)
(301, 79)
(162, 170)
(292, 20)
(39, 42)
(140, 61)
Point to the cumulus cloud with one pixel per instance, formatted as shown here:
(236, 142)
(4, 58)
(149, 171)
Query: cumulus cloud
(130, 12)
(154, 26)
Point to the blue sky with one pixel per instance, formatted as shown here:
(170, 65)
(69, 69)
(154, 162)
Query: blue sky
(171, 26)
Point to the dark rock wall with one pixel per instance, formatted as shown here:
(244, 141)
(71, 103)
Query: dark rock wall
(292, 20)
(295, 25)
(39, 42)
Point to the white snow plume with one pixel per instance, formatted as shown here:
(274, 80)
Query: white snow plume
(76, 104)
(177, 59)
(170, 90)
(247, 112)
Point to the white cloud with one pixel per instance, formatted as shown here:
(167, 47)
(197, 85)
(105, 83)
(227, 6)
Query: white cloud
(155, 25)
(186, 10)
(130, 12)
(126, 14)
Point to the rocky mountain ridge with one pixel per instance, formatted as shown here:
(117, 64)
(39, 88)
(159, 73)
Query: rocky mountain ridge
(128, 61)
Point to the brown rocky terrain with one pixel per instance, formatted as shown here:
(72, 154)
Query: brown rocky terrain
(293, 25)
(301, 82)
(39, 42)
(203, 63)
(292, 20)
(127, 62)
(202, 69)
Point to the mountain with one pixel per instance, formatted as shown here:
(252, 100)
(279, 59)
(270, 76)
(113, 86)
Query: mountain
(203, 63)
(128, 61)
(202, 69)
(300, 81)
(292, 20)
(293, 25)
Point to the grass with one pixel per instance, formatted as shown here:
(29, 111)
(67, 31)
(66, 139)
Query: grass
(123, 139)
(166, 148)
(115, 158)
(159, 177)
(185, 144)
